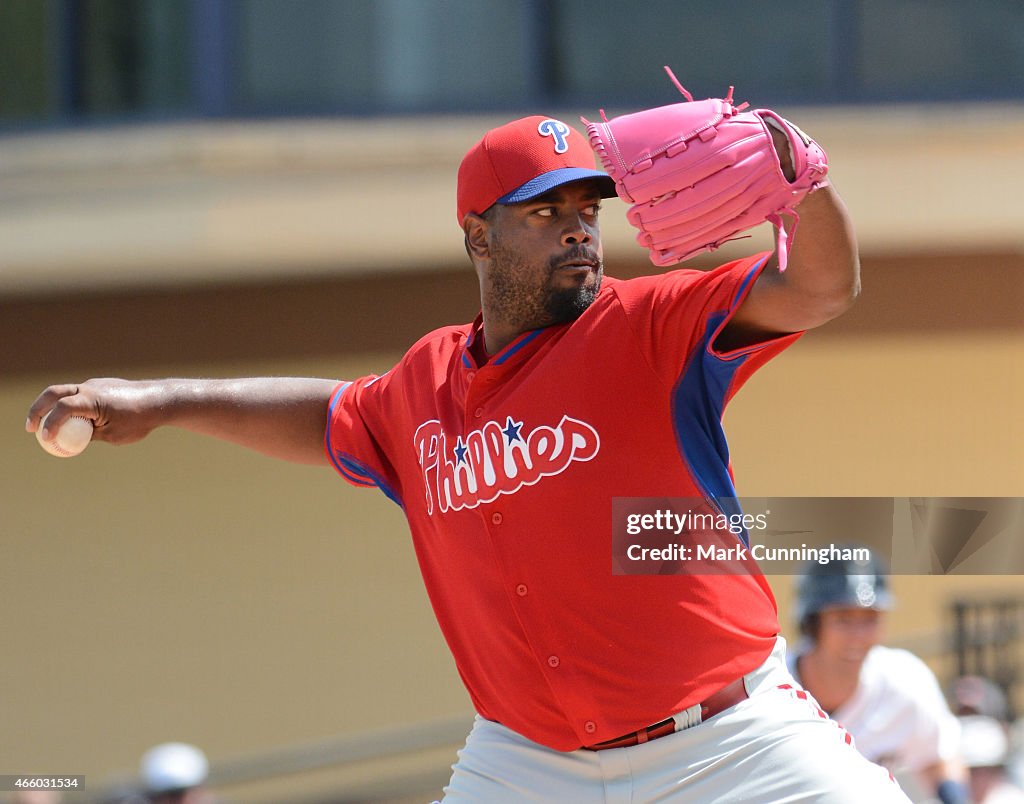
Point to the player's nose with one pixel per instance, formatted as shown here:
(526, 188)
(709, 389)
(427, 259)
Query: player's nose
(576, 233)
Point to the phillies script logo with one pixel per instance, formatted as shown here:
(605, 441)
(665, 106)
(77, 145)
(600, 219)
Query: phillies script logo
(496, 459)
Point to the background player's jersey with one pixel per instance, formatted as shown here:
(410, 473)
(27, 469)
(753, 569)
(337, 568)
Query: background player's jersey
(507, 472)
(898, 716)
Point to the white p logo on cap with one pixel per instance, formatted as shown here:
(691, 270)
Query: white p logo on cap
(558, 131)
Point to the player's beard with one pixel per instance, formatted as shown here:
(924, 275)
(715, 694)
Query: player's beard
(526, 296)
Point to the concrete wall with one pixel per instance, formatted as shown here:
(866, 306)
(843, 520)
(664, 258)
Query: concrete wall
(165, 205)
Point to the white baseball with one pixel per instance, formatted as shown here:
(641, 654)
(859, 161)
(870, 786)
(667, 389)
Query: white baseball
(72, 437)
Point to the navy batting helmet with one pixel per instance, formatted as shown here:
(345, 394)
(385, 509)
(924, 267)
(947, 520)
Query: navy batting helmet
(859, 583)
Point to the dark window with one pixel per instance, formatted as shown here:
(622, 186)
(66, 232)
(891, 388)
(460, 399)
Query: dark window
(27, 76)
(74, 60)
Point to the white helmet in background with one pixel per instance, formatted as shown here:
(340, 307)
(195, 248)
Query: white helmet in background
(173, 766)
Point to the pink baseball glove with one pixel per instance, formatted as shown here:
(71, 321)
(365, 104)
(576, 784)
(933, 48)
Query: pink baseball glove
(699, 173)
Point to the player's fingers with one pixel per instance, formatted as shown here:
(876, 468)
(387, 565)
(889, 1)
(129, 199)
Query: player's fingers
(58, 403)
(44, 402)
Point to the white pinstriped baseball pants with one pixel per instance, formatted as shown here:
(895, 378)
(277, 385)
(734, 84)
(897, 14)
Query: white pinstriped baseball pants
(773, 747)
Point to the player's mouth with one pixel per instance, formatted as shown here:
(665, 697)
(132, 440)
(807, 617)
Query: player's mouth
(578, 260)
(580, 266)
(578, 257)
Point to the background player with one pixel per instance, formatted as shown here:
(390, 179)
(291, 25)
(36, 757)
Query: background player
(985, 747)
(504, 441)
(887, 698)
(175, 773)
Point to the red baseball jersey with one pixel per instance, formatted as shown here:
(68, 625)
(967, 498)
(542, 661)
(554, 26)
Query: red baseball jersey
(506, 473)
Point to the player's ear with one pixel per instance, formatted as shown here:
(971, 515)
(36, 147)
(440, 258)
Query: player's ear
(477, 242)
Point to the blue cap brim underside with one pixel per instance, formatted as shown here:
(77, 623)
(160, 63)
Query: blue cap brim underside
(555, 178)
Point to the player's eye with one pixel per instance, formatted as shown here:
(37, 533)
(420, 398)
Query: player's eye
(592, 210)
(545, 212)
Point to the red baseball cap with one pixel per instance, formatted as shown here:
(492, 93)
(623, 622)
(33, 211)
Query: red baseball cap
(523, 159)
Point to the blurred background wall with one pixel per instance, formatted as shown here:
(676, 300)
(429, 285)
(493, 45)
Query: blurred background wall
(232, 187)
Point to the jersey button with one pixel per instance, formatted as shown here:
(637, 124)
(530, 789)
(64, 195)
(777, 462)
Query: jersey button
(471, 375)
(496, 518)
(590, 727)
(553, 661)
(521, 590)
(478, 412)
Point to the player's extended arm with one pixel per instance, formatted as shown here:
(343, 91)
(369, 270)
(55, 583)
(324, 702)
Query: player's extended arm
(282, 417)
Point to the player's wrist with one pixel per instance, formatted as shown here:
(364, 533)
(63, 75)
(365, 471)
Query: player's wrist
(953, 792)
(177, 402)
